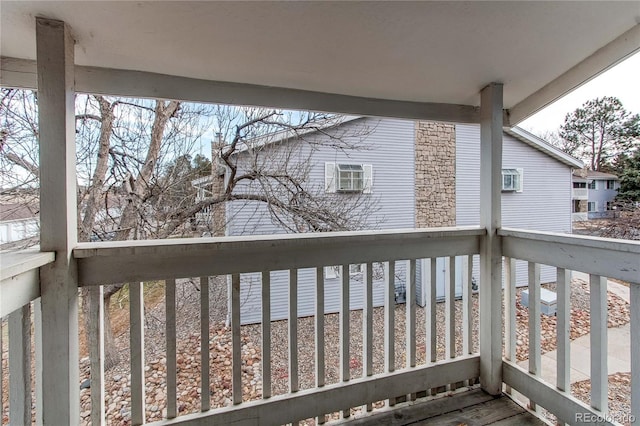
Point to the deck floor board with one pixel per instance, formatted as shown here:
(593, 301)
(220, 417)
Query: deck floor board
(470, 408)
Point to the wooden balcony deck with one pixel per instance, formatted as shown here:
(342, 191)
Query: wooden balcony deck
(469, 408)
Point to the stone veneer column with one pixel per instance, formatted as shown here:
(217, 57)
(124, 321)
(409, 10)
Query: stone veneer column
(435, 168)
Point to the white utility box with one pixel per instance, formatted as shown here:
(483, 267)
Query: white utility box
(548, 301)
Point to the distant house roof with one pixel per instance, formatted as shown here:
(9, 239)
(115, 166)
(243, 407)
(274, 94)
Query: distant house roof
(15, 211)
(544, 146)
(600, 175)
(590, 174)
(286, 134)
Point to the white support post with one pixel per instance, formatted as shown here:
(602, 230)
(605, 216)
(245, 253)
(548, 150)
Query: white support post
(410, 320)
(294, 382)
(450, 308)
(490, 247)
(598, 340)
(37, 339)
(430, 313)
(319, 323)
(345, 374)
(20, 365)
(635, 349)
(205, 371)
(236, 342)
(266, 334)
(367, 325)
(389, 321)
(96, 354)
(510, 310)
(136, 350)
(171, 342)
(534, 324)
(58, 222)
(564, 329)
(467, 305)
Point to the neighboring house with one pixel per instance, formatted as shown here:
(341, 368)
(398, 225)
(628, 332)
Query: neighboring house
(421, 174)
(18, 223)
(593, 195)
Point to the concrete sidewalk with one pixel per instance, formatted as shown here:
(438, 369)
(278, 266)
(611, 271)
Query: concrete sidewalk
(618, 348)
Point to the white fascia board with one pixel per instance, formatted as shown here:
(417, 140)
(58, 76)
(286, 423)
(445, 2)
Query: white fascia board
(544, 146)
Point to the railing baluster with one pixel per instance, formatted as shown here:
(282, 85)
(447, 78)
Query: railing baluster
(136, 318)
(236, 344)
(430, 315)
(389, 321)
(37, 329)
(293, 331)
(534, 322)
(20, 365)
(96, 354)
(367, 318)
(635, 350)
(563, 316)
(170, 335)
(320, 333)
(344, 330)
(450, 308)
(266, 334)
(510, 310)
(410, 320)
(1, 372)
(599, 371)
(467, 305)
(411, 313)
(205, 396)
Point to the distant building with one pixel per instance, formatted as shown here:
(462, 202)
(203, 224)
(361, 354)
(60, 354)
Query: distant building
(593, 194)
(423, 174)
(18, 223)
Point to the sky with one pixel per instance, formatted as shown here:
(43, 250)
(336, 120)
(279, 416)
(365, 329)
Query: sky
(621, 81)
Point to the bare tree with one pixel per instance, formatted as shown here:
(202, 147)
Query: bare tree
(125, 145)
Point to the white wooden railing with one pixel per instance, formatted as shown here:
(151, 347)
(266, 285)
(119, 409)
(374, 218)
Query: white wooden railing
(168, 260)
(601, 259)
(19, 298)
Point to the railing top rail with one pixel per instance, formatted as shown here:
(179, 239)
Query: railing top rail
(612, 244)
(128, 261)
(184, 245)
(15, 263)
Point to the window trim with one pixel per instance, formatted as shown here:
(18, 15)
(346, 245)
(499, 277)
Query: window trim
(516, 173)
(354, 174)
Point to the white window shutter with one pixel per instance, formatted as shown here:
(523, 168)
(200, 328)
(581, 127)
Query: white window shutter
(368, 179)
(521, 185)
(330, 177)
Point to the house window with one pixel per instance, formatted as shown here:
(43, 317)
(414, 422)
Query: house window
(592, 184)
(333, 272)
(348, 177)
(610, 206)
(512, 180)
(611, 184)
(579, 184)
(591, 207)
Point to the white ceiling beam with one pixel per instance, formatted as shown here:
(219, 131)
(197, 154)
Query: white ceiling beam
(600, 61)
(21, 73)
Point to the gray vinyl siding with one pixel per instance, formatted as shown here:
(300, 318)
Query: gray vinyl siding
(601, 195)
(543, 205)
(389, 149)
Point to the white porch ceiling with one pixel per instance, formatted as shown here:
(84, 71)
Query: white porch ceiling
(442, 52)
